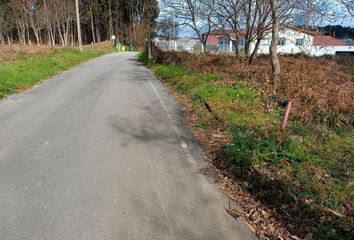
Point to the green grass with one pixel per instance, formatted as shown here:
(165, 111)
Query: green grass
(310, 163)
(28, 70)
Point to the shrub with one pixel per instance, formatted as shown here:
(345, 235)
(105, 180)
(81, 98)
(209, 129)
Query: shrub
(298, 172)
(319, 87)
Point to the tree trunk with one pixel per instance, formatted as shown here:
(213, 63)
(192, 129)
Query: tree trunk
(21, 31)
(237, 46)
(52, 34)
(35, 30)
(247, 46)
(67, 31)
(204, 46)
(49, 37)
(98, 33)
(2, 39)
(110, 22)
(274, 45)
(48, 23)
(27, 29)
(36, 34)
(9, 40)
(254, 52)
(133, 24)
(72, 38)
(60, 34)
(92, 25)
(40, 37)
(248, 29)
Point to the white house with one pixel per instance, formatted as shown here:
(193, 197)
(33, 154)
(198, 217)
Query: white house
(179, 44)
(187, 44)
(291, 40)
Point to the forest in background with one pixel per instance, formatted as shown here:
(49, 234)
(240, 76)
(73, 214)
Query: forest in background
(338, 31)
(53, 21)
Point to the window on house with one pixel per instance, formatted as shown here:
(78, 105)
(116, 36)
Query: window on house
(265, 41)
(233, 48)
(242, 42)
(281, 42)
(221, 45)
(224, 45)
(300, 42)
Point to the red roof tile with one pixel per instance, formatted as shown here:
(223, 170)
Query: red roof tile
(216, 34)
(214, 39)
(301, 29)
(320, 40)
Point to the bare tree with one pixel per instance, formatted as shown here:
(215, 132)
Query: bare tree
(228, 18)
(281, 11)
(54, 21)
(167, 29)
(247, 19)
(6, 24)
(273, 49)
(258, 25)
(36, 15)
(195, 14)
(92, 22)
(349, 5)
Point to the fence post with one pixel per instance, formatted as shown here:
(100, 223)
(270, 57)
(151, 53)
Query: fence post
(286, 115)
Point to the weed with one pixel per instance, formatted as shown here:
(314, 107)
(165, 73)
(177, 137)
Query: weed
(27, 70)
(298, 172)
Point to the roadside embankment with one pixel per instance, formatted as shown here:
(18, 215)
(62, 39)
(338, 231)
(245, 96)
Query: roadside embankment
(293, 182)
(25, 66)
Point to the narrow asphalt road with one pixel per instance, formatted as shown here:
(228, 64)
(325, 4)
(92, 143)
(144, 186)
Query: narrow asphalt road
(101, 152)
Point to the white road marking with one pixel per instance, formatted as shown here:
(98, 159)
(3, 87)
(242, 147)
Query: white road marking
(187, 152)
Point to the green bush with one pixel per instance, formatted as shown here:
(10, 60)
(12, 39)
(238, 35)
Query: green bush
(252, 145)
(144, 57)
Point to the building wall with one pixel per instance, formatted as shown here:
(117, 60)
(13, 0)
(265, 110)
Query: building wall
(318, 51)
(183, 44)
(294, 42)
(186, 44)
(226, 45)
(291, 40)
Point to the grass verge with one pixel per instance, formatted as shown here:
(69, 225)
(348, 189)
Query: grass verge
(25, 71)
(305, 174)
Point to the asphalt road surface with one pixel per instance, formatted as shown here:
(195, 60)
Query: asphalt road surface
(101, 152)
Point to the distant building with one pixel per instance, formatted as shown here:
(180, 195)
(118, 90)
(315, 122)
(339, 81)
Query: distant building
(180, 44)
(187, 44)
(348, 41)
(292, 40)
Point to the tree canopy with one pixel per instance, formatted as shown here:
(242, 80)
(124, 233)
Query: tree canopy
(53, 21)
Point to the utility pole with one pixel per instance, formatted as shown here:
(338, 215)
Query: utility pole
(78, 25)
(149, 46)
(175, 33)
